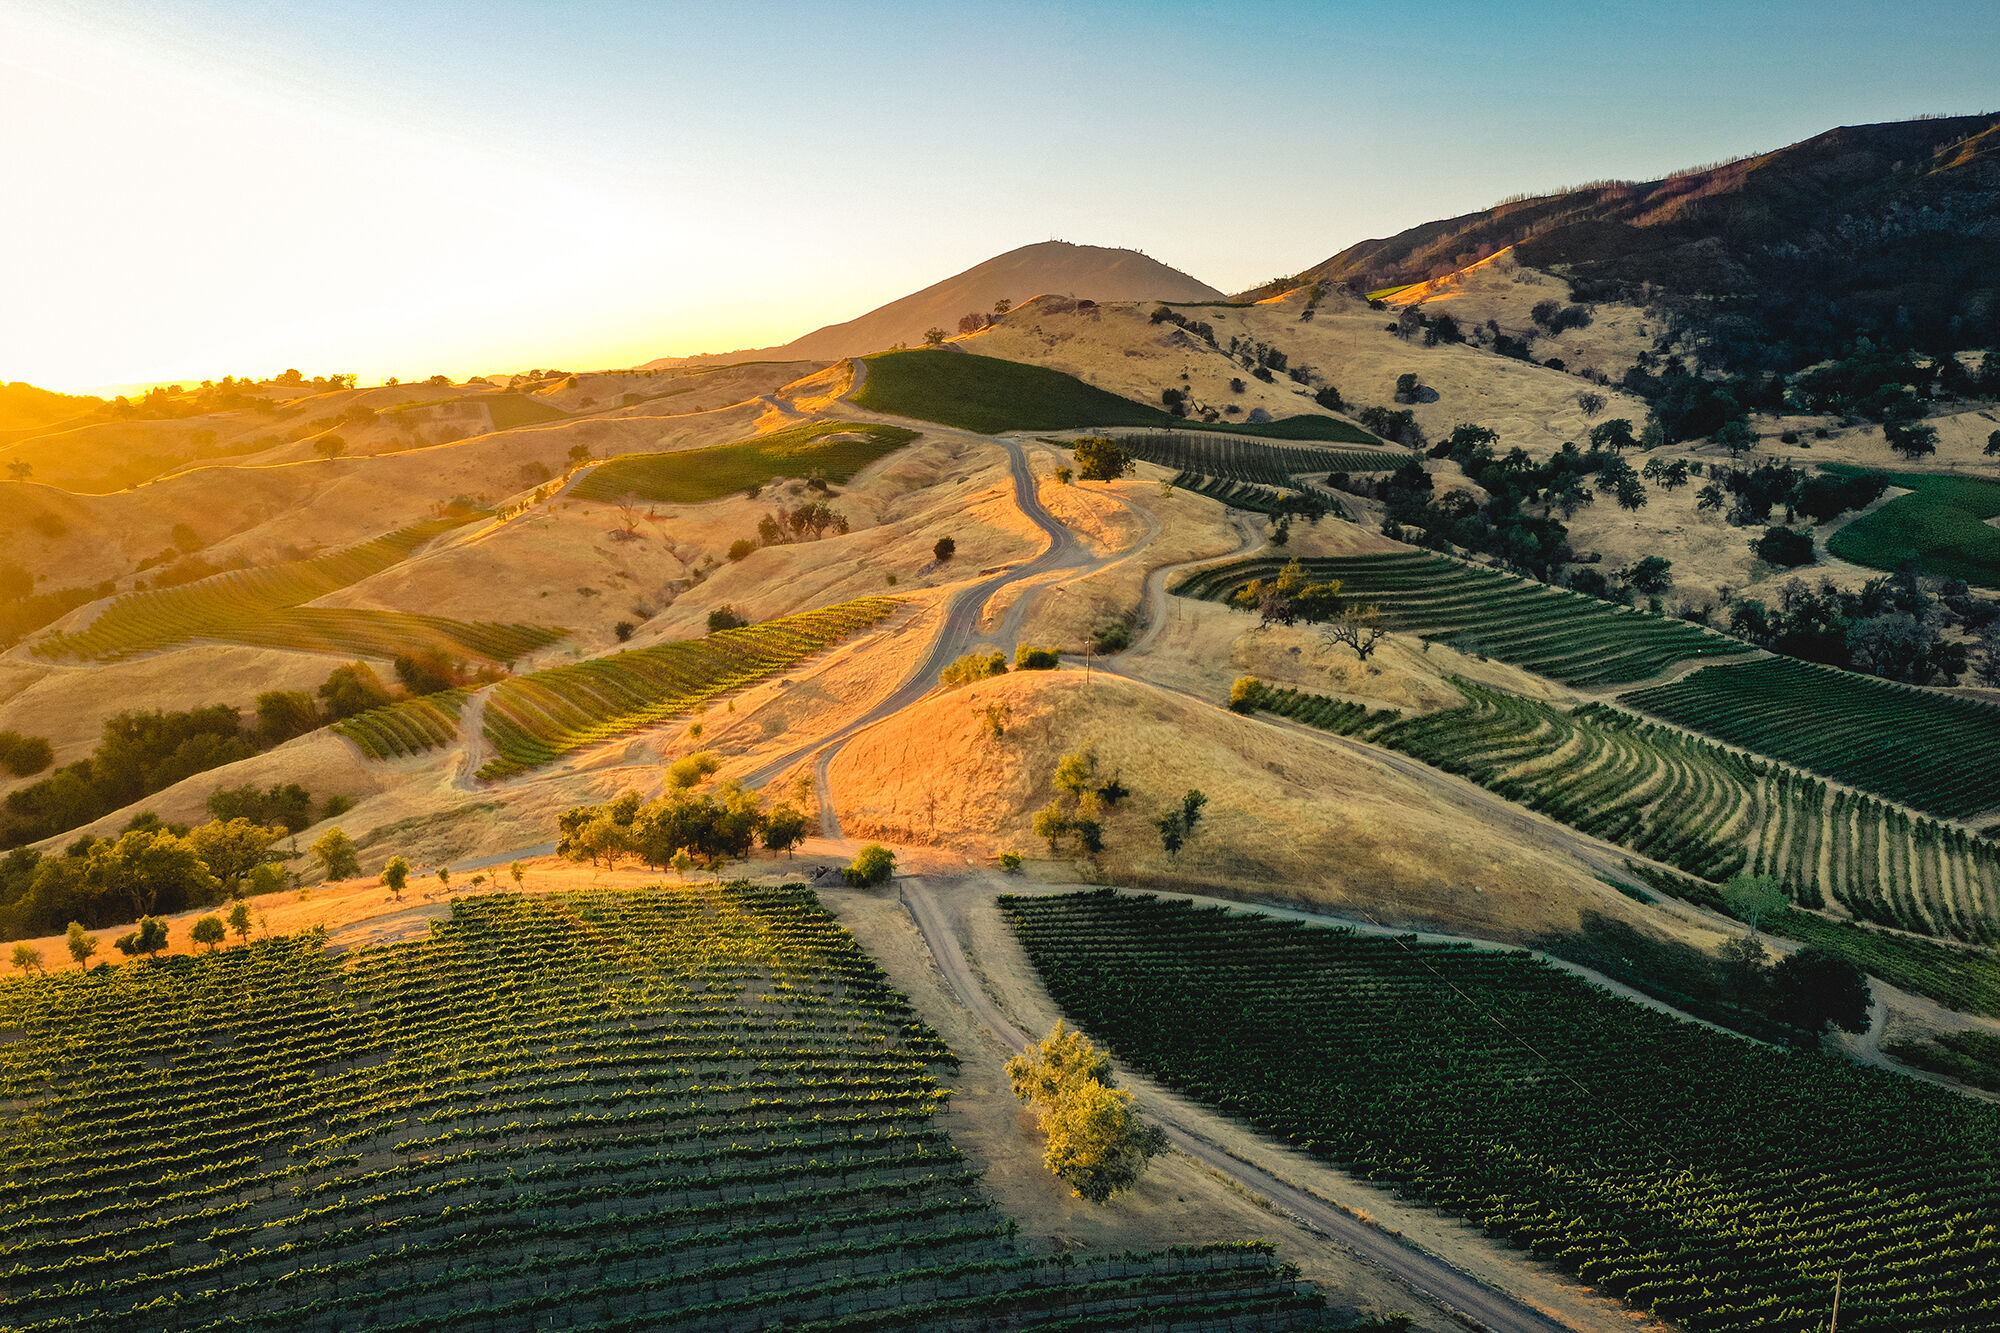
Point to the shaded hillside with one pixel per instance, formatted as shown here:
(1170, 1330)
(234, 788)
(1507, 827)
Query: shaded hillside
(1778, 259)
(1094, 272)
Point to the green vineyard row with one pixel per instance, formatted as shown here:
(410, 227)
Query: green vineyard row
(1719, 1183)
(689, 1108)
(535, 718)
(1576, 639)
(1933, 751)
(1693, 804)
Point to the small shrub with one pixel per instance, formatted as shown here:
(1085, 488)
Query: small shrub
(1246, 694)
(24, 756)
(873, 865)
(690, 770)
(1010, 862)
(725, 617)
(623, 629)
(973, 667)
(740, 548)
(1028, 658)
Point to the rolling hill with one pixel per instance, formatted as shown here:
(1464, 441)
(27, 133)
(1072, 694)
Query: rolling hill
(1094, 272)
(1786, 255)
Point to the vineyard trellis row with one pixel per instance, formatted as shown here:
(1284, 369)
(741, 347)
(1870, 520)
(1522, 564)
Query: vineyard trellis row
(1690, 803)
(541, 716)
(1231, 458)
(700, 1107)
(1934, 752)
(1714, 1181)
(406, 727)
(1567, 636)
(265, 608)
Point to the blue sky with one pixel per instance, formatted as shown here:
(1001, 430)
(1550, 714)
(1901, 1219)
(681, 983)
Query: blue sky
(219, 186)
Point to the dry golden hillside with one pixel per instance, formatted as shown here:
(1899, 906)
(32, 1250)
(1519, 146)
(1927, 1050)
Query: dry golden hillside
(1289, 814)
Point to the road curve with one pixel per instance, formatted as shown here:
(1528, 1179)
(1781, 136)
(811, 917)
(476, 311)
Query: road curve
(955, 636)
(1490, 1309)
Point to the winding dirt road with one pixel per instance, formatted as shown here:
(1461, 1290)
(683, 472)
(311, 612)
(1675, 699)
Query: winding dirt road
(1456, 1290)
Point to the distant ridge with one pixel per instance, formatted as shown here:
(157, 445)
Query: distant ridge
(1884, 229)
(1095, 272)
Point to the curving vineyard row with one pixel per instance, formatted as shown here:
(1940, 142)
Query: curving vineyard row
(1932, 751)
(1716, 1182)
(541, 716)
(1690, 803)
(698, 1108)
(1236, 494)
(359, 632)
(1576, 639)
(407, 727)
(1230, 458)
(265, 607)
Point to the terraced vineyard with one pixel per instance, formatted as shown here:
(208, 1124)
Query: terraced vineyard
(534, 718)
(356, 632)
(689, 1108)
(1932, 751)
(1235, 494)
(265, 607)
(1573, 638)
(407, 727)
(1689, 803)
(833, 450)
(1716, 1182)
(1230, 459)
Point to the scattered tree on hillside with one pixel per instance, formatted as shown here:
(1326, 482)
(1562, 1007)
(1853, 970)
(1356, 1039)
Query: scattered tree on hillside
(20, 469)
(239, 919)
(231, 849)
(351, 689)
(725, 618)
(784, 828)
(1750, 898)
(1002, 306)
(1651, 575)
(82, 944)
(1357, 627)
(934, 337)
(1992, 444)
(396, 875)
(944, 549)
(150, 938)
(27, 958)
(208, 930)
(329, 447)
(24, 756)
(974, 666)
(1736, 437)
(1911, 439)
(1099, 459)
(1590, 404)
(1409, 389)
(1817, 989)
(337, 856)
(1177, 825)
(1097, 1145)
(1783, 547)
